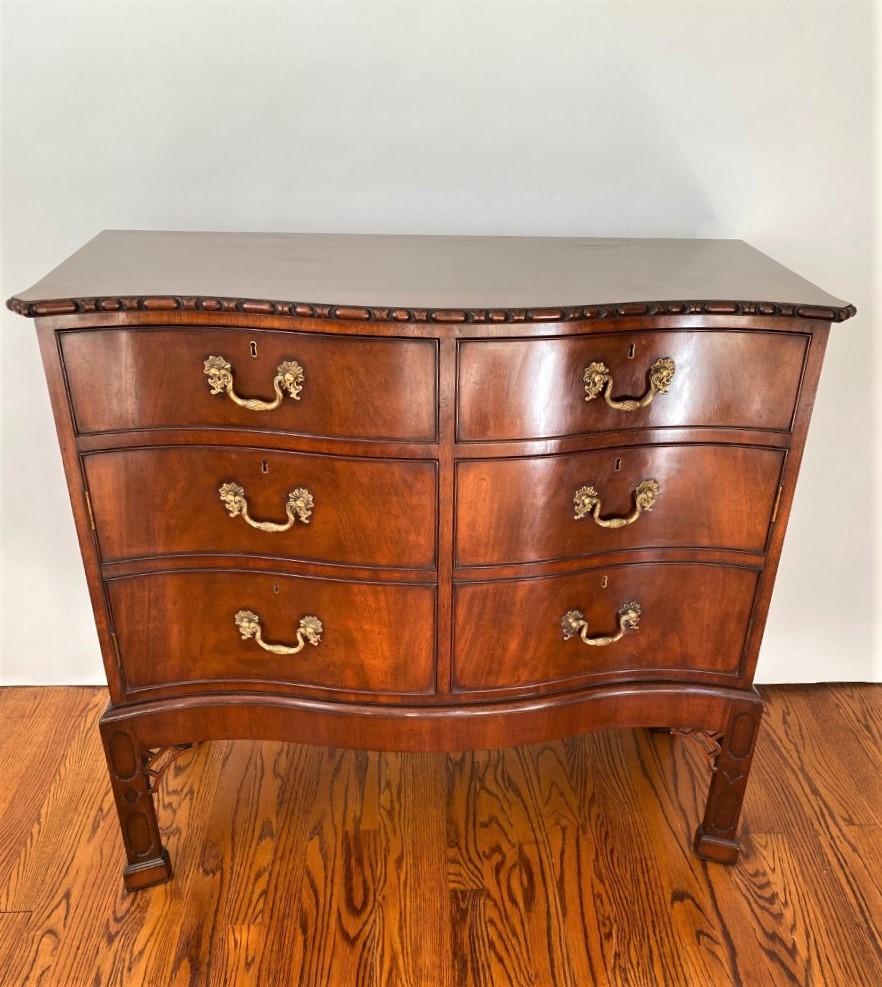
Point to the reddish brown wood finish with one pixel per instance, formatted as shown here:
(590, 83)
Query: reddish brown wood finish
(164, 725)
(376, 638)
(399, 279)
(716, 836)
(405, 727)
(522, 389)
(164, 501)
(127, 764)
(153, 378)
(521, 510)
(444, 432)
(508, 634)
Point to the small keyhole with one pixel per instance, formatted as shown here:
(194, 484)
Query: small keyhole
(604, 582)
(618, 464)
(253, 348)
(632, 349)
(264, 466)
(275, 587)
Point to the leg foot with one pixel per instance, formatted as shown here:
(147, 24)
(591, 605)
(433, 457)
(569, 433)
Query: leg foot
(146, 873)
(716, 838)
(716, 848)
(132, 776)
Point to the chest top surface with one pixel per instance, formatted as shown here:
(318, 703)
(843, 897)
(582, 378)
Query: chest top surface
(412, 274)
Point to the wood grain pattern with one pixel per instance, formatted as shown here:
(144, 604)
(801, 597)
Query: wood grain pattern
(522, 388)
(421, 278)
(164, 501)
(557, 865)
(507, 633)
(418, 652)
(364, 388)
(194, 637)
(709, 497)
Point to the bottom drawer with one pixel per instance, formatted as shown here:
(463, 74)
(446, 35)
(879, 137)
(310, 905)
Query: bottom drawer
(207, 627)
(691, 618)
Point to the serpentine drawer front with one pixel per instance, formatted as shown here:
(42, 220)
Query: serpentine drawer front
(184, 500)
(427, 493)
(524, 389)
(371, 638)
(153, 378)
(516, 632)
(626, 497)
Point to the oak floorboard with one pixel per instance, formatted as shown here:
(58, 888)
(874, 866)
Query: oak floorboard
(484, 851)
(519, 847)
(640, 921)
(858, 706)
(71, 804)
(343, 873)
(563, 864)
(412, 833)
(839, 774)
(37, 727)
(675, 777)
(14, 933)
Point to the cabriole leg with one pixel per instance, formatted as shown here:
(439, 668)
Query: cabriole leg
(716, 836)
(133, 781)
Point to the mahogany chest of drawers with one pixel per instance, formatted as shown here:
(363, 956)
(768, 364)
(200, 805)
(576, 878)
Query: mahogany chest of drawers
(427, 493)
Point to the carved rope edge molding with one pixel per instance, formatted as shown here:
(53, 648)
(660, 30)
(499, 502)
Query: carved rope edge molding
(256, 306)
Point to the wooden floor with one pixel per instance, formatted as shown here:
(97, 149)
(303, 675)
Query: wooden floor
(559, 864)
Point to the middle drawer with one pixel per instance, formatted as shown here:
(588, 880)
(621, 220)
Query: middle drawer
(662, 496)
(219, 500)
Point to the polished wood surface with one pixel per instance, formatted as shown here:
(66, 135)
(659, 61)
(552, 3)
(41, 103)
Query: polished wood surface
(445, 435)
(508, 633)
(413, 724)
(522, 389)
(522, 510)
(559, 864)
(153, 378)
(376, 638)
(165, 501)
(419, 272)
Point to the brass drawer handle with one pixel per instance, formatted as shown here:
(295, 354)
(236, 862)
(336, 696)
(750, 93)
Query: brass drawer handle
(573, 623)
(289, 379)
(298, 507)
(599, 380)
(587, 501)
(310, 629)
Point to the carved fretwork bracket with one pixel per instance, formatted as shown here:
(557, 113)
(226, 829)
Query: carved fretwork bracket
(157, 760)
(709, 742)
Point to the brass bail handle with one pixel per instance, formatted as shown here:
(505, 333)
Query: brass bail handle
(598, 380)
(573, 624)
(298, 507)
(309, 631)
(586, 502)
(287, 382)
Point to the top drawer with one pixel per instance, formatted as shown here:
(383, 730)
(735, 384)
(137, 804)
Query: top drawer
(355, 387)
(536, 388)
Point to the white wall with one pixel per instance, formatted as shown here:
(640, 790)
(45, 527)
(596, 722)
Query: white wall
(725, 119)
